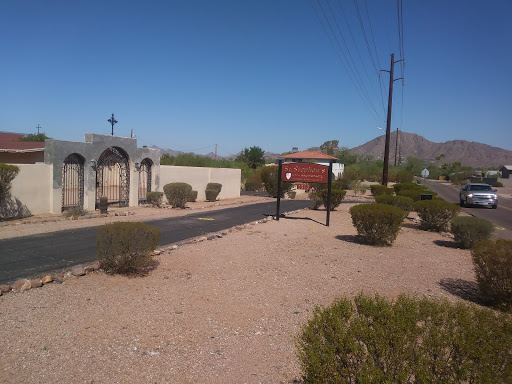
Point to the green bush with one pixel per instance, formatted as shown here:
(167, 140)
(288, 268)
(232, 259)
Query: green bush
(192, 197)
(292, 194)
(436, 214)
(357, 187)
(379, 190)
(408, 340)
(469, 230)
(497, 184)
(315, 200)
(493, 268)
(401, 186)
(7, 174)
(404, 176)
(377, 223)
(155, 198)
(415, 194)
(216, 186)
(177, 194)
(269, 178)
(125, 247)
(337, 197)
(211, 194)
(402, 202)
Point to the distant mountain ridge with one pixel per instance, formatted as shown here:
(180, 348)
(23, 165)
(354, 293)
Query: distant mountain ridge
(469, 153)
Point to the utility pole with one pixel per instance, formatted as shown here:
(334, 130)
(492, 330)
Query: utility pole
(388, 123)
(396, 146)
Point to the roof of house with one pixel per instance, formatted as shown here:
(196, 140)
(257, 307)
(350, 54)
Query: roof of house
(308, 155)
(9, 143)
(509, 167)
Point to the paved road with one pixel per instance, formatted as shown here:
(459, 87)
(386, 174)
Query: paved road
(500, 217)
(39, 254)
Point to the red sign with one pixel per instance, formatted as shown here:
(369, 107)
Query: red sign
(307, 172)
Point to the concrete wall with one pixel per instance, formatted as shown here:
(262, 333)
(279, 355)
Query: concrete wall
(33, 187)
(199, 177)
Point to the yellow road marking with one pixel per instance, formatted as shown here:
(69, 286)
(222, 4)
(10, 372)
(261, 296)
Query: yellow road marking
(500, 228)
(205, 218)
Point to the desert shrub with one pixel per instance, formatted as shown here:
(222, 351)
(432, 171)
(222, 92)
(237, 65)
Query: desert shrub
(155, 198)
(192, 197)
(211, 194)
(7, 174)
(377, 223)
(75, 211)
(253, 182)
(415, 194)
(378, 190)
(125, 247)
(376, 340)
(216, 186)
(402, 186)
(348, 176)
(497, 184)
(315, 201)
(357, 187)
(269, 178)
(493, 268)
(337, 197)
(103, 204)
(402, 202)
(177, 194)
(469, 230)
(404, 176)
(436, 214)
(292, 194)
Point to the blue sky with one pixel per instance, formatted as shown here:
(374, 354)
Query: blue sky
(190, 74)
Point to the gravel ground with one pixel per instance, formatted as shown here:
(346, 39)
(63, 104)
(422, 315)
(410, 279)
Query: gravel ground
(220, 311)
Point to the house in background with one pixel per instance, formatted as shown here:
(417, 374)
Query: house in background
(13, 151)
(506, 171)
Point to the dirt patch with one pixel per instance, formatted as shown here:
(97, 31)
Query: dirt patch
(219, 311)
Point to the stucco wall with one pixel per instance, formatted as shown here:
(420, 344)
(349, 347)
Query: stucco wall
(199, 177)
(33, 187)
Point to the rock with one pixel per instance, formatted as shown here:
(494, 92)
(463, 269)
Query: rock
(202, 238)
(92, 267)
(211, 237)
(173, 247)
(89, 216)
(4, 288)
(78, 270)
(116, 214)
(122, 213)
(156, 252)
(218, 235)
(21, 285)
(47, 279)
(36, 283)
(5, 223)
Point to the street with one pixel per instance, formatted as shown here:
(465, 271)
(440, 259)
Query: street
(39, 254)
(500, 217)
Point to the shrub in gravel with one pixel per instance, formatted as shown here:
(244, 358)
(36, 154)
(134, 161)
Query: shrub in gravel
(192, 197)
(468, 230)
(216, 186)
(378, 190)
(497, 184)
(376, 340)
(492, 260)
(155, 198)
(436, 214)
(211, 194)
(377, 223)
(292, 194)
(402, 202)
(337, 196)
(402, 186)
(75, 211)
(315, 201)
(177, 194)
(125, 247)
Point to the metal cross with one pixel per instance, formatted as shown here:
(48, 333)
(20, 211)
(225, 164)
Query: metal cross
(38, 127)
(112, 121)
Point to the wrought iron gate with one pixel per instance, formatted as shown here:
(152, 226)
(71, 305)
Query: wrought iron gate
(73, 182)
(113, 177)
(144, 180)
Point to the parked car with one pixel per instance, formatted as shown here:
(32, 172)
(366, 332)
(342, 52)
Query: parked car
(478, 194)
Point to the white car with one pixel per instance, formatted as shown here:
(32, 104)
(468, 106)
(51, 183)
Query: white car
(478, 194)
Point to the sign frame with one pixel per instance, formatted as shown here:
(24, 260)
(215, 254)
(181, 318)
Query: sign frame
(316, 166)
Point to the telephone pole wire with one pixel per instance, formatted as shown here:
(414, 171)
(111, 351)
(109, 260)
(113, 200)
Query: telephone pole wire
(388, 123)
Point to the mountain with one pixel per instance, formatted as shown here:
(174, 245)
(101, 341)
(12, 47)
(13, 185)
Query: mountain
(469, 153)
